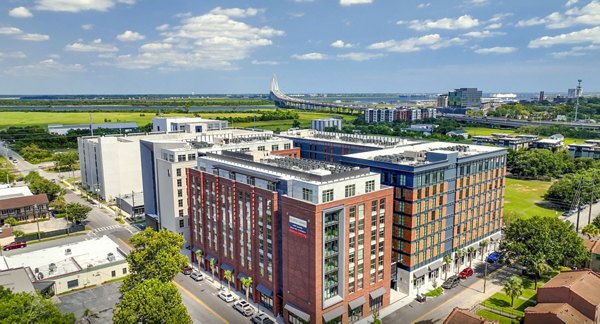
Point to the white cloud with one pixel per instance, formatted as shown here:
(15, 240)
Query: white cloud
(236, 12)
(267, 62)
(576, 51)
(423, 5)
(79, 5)
(95, 46)
(20, 12)
(10, 31)
(163, 27)
(496, 50)
(588, 35)
(21, 35)
(586, 15)
(414, 44)
(494, 26)
(530, 22)
(354, 2)
(46, 67)
(462, 22)
(12, 55)
(214, 40)
(310, 56)
(571, 2)
(483, 34)
(87, 26)
(341, 44)
(360, 56)
(130, 36)
(476, 2)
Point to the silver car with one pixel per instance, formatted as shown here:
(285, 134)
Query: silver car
(243, 307)
(197, 276)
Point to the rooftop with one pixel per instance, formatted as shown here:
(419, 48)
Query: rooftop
(584, 283)
(24, 201)
(592, 245)
(464, 316)
(16, 280)
(94, 126)
(13, 192)
(375, 141)
(64, 259)
(563, 311)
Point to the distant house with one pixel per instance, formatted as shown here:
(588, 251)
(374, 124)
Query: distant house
(594, 247)
(580, 290)
(24, 208)
(464, 316)
(426, 129)
(60, 129)
(458, 132)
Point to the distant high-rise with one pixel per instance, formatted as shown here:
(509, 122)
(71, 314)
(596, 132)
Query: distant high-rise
(465, 98)
(442, 101)
(541, 96)
(572, 93)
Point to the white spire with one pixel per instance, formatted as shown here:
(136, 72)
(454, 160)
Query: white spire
(274, 84)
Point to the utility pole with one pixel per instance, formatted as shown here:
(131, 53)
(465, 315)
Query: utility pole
(485, 276)
(577, 92)
(132, 204)
(579, 204)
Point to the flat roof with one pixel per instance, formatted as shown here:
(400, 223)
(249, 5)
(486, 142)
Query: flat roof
(376, 141)
(16, 280)
(13, 192)
(94, 126)
(60, 260)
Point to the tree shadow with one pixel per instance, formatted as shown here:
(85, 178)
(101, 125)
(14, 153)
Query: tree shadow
(498, 302)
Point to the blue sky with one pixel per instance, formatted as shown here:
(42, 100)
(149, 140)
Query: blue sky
(185, 46)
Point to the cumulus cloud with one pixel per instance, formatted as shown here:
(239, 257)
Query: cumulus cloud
(588, 35)
(483, 34)
(414, 44)
(79, 5)
(496, 50)
(310, 57)
(354, 2)
(46, 67)
(462, 22)
(586, 15)
(21, 35)
(130, 36)
(87, 26)
(20, 12)
(341, 44)
(95, 46)
(571, 2)
(10, 31)
(423, 5)
(359, 56)
(12, 55)
(214, 40)
(266, 62)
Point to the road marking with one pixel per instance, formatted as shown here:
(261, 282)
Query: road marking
(126, 243)
(196, 299)
(458, 294)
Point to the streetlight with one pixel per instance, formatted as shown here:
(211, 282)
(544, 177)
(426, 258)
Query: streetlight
(37, 221)
(485, 274)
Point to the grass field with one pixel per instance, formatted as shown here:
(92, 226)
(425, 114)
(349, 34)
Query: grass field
(525, 198)
(484, 131)
(23, 118)
(495, 317)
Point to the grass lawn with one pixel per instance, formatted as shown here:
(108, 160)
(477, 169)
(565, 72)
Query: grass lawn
(501, 301)
(30, 118)
(495, 317)
(435, 292)
(484, 131)
(525, 198)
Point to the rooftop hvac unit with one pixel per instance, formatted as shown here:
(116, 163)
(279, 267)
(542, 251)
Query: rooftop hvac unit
(67, 251)
(111, 257)
(52, 267)
(40, 276)
(36, 270)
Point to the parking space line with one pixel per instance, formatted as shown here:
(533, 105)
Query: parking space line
(196, 299)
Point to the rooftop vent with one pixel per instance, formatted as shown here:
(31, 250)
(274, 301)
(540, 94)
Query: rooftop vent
(111, 257)
(67, 251)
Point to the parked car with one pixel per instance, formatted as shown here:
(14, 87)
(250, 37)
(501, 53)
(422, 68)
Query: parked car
(262, 319)
(493, 257)
(451, 282)
(187, 270)
(226, 296)
(465, 273)
(243, 307)
(14, 245)
(197, 276)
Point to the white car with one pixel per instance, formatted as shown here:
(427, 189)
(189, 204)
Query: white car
(226, 296)
(196, 276)
(243, 307)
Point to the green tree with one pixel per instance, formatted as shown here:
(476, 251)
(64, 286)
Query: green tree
(447, 261)
(590, 230)
(483, 245)
(30, 308)
(199, 258)
(18, 233)
(66, 161)
(296, 123)
(596, 221)
(246, 283)
(77, 212)
(212, 268)
(11, 221)
(458, 256)
(556, 242)
(471, 253)
(39, 185)
(151, 301)
(227, 276)
(513, 288)
(376, 319)
(540, 268)
(156, 255)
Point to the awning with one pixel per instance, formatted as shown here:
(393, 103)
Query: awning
(226, 266)
(436, 265)
(334, 313)
(357, 302)
(241, 275)
(421, 272)
(294, 310)
(210, 257)
(497, 236)
(195, 249)
(265, 290)
(377, 293)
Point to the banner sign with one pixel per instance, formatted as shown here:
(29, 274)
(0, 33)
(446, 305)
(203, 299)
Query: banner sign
(298, 226)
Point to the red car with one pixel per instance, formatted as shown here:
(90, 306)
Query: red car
(467, 272)
(14, 245)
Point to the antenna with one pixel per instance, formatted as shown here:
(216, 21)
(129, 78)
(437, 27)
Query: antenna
(577, 93)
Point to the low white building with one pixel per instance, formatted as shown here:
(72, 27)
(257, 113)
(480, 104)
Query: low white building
(71, 266)
(186, 124)
(13, 192)
(322, 123)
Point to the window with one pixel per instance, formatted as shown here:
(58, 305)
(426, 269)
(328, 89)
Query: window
(124, 270)
(350, 190)
(275, 148)
(180, 203)
(181, 223)
(370, 186)
(179, 182)
(293, 319)
(113, 273)
(181, 213)
(327, 195)
(178, 172)
(376, 303)
(307, 194)
(73, 283)
(179, 193)
(287, 146)
(271, 186)
(232, 175)
(251, 181)
(261, 148)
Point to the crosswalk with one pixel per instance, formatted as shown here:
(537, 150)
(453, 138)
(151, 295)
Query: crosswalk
(106, 228)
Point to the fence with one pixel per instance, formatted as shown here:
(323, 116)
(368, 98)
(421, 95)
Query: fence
(43, 235)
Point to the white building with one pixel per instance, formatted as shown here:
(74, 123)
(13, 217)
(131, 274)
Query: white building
(13, 192)
(72, 266)
(322, 123)
(186, 124)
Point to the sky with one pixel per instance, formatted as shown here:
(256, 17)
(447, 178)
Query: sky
(313, 46)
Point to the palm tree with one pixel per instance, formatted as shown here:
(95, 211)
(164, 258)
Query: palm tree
(227, 276)
(199, 258)
(540, 267)
(447, 261)
(458, 255)
(513, 288)
(246, 283)
(471, 252)
(212, 268)
(483, 245)
(590, 230)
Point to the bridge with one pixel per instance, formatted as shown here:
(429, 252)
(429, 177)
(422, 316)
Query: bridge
(516, 123)
(284, 101)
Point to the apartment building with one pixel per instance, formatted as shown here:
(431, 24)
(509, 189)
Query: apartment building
(314, 236)
(465, 98)
(175, 124)
(390, 115)
(589, 149)
(447, 197)
(24, 208)
(322, 123)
